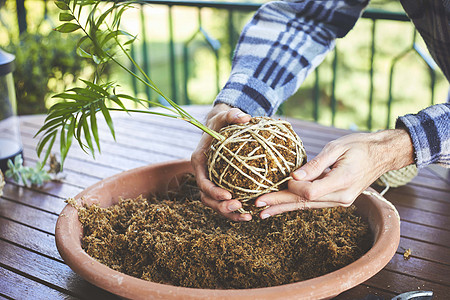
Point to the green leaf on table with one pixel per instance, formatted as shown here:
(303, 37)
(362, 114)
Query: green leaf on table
(77, 133)
(29, 176)
(62, 139)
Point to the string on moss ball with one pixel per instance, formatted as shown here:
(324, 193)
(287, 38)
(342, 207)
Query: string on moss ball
(255, 158)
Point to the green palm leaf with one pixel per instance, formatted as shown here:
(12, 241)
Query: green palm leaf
(75, 117)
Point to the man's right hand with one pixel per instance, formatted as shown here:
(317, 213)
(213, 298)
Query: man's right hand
(211, 195)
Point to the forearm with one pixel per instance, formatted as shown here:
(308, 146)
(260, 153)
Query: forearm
(280, 46)
(394, 149)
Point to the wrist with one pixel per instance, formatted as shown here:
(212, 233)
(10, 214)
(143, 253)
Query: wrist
(396, 148)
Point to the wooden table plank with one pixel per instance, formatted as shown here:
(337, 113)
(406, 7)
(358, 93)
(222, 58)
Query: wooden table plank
(416, 193)
(28, 216)
(32, 198)
(425, 234)
(436, 253)
(29, 258)
(426, 218)
(398, 283)
(362, 290)
(424, 204)
(16, 286)
(49, 272)
(429, 271)
(442, 173)
(29, 238)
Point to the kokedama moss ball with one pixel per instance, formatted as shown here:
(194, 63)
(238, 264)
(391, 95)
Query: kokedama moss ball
(255, 158)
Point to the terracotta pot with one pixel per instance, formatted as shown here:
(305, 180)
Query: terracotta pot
(382, 216)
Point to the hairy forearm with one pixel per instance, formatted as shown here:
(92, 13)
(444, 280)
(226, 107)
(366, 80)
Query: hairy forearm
(394, 148)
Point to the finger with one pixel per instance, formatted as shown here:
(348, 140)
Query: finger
(226, 208)
(203, 182)
(212, 190)
(293, 206)
(315, 167)
(235, 115)
(277, 198)
(288, 197)
(342, 197)
(198, 162)
(336, 179)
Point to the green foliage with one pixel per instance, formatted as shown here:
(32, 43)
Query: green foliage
(36, 176)
(101, 42)
(41, 59)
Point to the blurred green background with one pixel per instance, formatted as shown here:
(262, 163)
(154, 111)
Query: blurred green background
(47, 63)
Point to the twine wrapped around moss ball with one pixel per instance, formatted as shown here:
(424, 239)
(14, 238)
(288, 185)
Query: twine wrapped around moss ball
(255, 158)
(397, 178)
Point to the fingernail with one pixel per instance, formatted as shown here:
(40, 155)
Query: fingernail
(233, 206)
(265, 216)
(299, 174)
(261, 204)
(240, 115)
(245, 218)
(225, 197)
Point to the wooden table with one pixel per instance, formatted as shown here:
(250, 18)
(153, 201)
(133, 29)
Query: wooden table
(31, 267)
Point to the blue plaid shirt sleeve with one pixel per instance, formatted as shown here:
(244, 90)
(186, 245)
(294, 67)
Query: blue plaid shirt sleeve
(287, 40)
(430, 128)
(280, 46)
(430, 133)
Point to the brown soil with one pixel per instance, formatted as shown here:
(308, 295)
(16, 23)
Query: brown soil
(175, 239)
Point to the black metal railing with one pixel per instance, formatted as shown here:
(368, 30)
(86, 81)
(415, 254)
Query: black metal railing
(178, 84)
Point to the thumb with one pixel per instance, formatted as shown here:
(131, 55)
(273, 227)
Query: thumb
(315, 167)
(235, 115)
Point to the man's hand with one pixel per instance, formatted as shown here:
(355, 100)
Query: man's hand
(341, 171)
(212, 195)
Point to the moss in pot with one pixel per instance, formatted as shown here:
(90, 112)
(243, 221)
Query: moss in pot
(247, 160)
(172, 238)
(382, 217)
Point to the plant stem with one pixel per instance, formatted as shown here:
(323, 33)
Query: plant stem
(192, 121)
